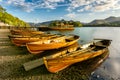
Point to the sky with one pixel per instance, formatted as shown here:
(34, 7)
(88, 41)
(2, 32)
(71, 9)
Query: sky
(45, 10)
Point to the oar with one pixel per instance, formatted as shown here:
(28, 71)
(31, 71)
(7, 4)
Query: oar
(73, 59)
(74, 53)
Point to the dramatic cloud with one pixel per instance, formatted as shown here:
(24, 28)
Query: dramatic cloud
(107, 5)
(51, 4)
(72, 5)
(31, 5)
(93, 5)
(26, 6)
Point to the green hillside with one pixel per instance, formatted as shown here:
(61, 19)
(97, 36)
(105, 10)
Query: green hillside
(10, 19)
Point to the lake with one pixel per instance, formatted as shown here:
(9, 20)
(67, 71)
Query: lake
(82, 32)
(109, 70)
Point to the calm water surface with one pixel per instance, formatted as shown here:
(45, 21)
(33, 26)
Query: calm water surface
(110, 69)
(86, 33)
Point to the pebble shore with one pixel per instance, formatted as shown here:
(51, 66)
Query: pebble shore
(12, 59)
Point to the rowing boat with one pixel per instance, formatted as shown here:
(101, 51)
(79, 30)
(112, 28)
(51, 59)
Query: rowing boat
(24, 32)
(21, 41)
(83, 53)
(54, 43)
(49, 54)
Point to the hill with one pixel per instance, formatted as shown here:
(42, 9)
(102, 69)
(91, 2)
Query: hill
(110, 21)
(60, 23)
(113, 19)
(99, 22)
(10, 20)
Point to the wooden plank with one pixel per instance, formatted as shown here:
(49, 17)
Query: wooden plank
(33, 64)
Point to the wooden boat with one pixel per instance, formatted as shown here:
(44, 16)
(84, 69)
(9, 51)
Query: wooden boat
(37, 32)
(49, 44)
(84, 68)
(49, 54)
(18, 36)
(24, 32)
(29, 36)
(94, 62)
(15, 31)
(83, 53)
(21, 41)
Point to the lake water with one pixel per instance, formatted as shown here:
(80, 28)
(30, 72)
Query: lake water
(86, 33)
(109, 70)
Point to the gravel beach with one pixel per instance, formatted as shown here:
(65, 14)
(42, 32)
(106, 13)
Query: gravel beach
(12, 58)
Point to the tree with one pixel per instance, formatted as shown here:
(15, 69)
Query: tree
(2, 9)
(10, 19)
(53, 23)
(77, 24)
(64, 23)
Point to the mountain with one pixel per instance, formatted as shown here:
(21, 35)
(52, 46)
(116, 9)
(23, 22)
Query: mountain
(31, 24)
(60, 23)
(99, 22)
(39, 24)
(110, 21)
(43, 23)
(113, 19)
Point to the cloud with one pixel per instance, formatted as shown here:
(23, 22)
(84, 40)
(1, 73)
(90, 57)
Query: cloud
(93, 5)
(30, 6)
(107, 5)
(61, 17)
(26, 6)
(52, 1)
(77, 5)
(71, 15)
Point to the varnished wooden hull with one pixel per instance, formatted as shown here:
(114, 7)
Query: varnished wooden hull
(24, 32)
(15, 32)
(49, 54)
(31, 36)
(56, 64)
(18, 36)
(39, 46)
(21, 41)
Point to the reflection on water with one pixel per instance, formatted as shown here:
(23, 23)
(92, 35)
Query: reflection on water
(110, 68)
